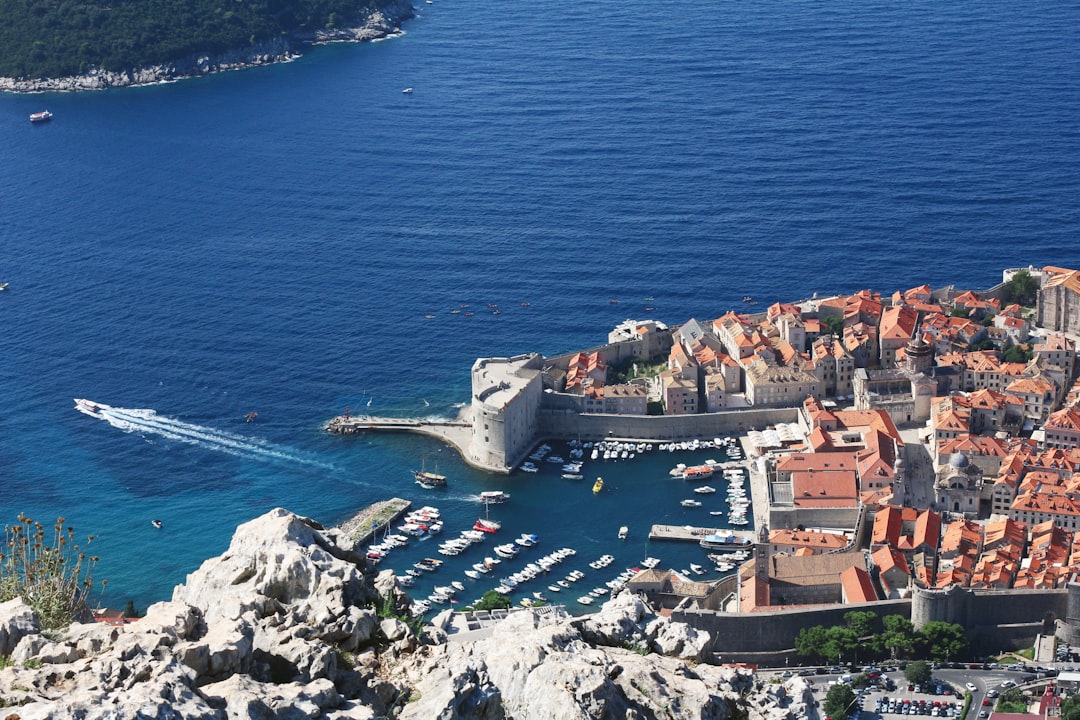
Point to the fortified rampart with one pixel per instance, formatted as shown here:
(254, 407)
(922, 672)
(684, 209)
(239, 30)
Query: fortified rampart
(995, 620)
(565, 425)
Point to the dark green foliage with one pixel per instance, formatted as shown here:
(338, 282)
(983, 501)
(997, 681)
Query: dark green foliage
(917, 672)
(1013, 701)
(946, 641)
(960, 312)
(54, 38)
(838, 701)
(899, 638)
(1070, 708)
(130, 611)
(1017, 354)
(832, 326)
(1022, 288)
(493, 600)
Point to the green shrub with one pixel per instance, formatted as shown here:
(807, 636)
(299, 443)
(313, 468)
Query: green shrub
(52, 574)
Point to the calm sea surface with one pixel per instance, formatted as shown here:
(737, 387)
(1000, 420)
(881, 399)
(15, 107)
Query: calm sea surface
(271, 241)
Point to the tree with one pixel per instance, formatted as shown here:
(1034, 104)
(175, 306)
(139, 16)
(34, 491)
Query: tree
(834, 325)
(899, 637)
(810, 640)
(862, 623)
(838, 700)
(1070, 708)
(960, 312)
(839, 641)
(945, 640)
(129, 610)
(493, 600)
(1022, 288)
(918, 672)
(1016, 354)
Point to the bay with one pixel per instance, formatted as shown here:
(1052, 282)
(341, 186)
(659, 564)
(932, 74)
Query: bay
(271, 240)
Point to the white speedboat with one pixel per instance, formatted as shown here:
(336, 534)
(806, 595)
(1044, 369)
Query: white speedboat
(690, 503)
(623, 532)
(705, 490)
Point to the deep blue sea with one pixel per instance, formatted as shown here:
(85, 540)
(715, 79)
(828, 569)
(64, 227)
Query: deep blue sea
(271, 240)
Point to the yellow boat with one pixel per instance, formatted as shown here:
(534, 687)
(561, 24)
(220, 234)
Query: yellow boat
(598, 485)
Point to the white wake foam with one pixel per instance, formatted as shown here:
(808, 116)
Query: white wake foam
(145, 420)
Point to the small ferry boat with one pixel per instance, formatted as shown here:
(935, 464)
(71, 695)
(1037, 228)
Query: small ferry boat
(598, 485)
(494, 496)
(429, 479)
(696, 472)
(726, 540)
(40, 117)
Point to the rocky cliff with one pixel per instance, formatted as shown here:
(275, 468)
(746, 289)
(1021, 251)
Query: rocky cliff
(284, 625)
(376, 24)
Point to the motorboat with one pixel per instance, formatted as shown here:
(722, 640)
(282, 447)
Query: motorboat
(572, 476)
(156, 523)
(623, 532)
(690, 503)
(506, 551)
(528, 467)
(526, 540)
(705, 490)
(41, 117)
(494, 496)
(598, 485)
(486, 526)
(697, 569)
(585, 600)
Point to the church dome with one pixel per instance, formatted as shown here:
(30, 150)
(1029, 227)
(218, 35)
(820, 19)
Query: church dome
(958, 460)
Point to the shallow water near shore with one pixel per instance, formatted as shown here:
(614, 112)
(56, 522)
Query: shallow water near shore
(271, 241)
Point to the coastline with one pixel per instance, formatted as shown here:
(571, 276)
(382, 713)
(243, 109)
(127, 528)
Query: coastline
(380, 24)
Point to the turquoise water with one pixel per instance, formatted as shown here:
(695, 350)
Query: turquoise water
(271, 240)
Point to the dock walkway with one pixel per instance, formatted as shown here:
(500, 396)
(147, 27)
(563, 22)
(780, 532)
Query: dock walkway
(689, 533)
(374, 519)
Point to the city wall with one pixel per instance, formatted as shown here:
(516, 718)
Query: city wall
(567, 425)
(995, 620)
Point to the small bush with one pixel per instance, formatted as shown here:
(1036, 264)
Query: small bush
(53, 575)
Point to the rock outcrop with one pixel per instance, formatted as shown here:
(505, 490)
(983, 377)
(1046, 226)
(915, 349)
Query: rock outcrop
(284, 625)
(376, 24)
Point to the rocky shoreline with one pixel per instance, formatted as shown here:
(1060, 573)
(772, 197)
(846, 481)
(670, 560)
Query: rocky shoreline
(290, 622)
(380, 23)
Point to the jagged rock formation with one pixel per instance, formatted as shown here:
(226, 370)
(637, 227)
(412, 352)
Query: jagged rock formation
(284, 625)
(378, 23)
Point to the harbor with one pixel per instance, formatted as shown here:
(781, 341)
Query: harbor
(552, 536)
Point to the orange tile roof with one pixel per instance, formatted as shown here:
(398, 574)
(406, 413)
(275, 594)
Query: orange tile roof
(858, 588)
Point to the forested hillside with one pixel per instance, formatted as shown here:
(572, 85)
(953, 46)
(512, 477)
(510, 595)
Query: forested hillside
(53, 38)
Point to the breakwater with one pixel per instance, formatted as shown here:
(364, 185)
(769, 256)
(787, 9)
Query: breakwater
(374, 519)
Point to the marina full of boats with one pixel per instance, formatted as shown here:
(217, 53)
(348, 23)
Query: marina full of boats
(451, 560)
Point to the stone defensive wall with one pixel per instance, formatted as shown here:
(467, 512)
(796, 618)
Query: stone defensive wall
(738, 636)
(565, 425)
(995, 620)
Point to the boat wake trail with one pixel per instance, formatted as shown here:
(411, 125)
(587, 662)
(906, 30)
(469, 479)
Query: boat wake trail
(145, 420)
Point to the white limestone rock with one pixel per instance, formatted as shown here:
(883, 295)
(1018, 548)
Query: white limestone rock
(17, 620)
(531, 668)
(276, 561)
(242, 698)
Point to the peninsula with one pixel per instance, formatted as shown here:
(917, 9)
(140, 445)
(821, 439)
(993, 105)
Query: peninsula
(915, 453)
(55, 47)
